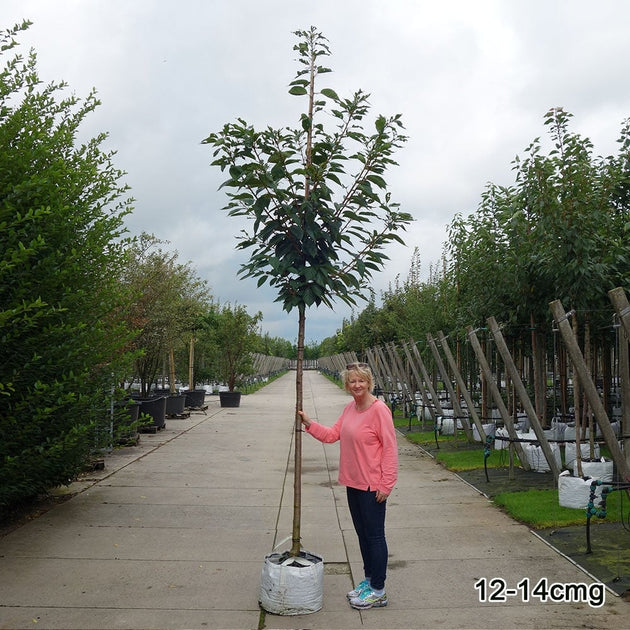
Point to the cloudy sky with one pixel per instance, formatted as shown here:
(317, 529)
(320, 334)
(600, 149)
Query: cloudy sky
(472, 80)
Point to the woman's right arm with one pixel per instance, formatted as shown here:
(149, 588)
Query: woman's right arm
(319, 431)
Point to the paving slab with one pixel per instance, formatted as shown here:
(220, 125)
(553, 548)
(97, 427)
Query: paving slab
(173, 534)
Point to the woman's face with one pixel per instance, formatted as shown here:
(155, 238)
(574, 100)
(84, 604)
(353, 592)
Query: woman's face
(357, 385)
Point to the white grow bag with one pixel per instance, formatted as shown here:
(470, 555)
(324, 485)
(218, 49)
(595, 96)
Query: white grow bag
(489, 429)
(447, 426)
(570, 452)
(292, 585)
(500, 444)
(536, 458)
(602, 469)
(575, 492)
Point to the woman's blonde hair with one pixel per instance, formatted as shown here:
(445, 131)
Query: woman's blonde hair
(362, 369)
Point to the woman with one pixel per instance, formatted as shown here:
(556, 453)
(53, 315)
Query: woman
(368, 467)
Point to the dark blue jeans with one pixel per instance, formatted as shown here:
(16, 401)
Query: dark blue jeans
(368, 518)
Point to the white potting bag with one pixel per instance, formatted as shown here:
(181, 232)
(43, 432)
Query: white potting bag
(447, 426)
(292, 585)
(570, 452)
(560, 428)
(575, 492)
(569, 433)
(602, 469)
(536, 458)
(488, 429)
(522, 422)
(500, 444)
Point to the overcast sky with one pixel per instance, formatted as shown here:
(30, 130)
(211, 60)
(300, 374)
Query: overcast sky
(471, 78)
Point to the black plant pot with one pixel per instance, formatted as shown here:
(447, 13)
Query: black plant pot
(156, 408)
(125, 426)
(175, 405)
(230, 399)
(133, 408)
(195, 398)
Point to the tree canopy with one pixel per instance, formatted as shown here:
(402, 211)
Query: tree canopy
(318, 209)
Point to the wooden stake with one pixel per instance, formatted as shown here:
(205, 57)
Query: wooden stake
(462, 385)
(498, 399)
(457, 410)
(523, 397)
(589, 388)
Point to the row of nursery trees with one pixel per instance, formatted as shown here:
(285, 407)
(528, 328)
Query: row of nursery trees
(85, 309)
(560, 232)
(558, 235)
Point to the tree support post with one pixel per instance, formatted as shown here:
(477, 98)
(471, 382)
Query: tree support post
(590, 390)
(462, 385)
(399, 371)
(622, 307)
(498, 399)
(389, 377)
(376, 368)
(425, 398)
(524, 398)
(435, 401)
(457, 409)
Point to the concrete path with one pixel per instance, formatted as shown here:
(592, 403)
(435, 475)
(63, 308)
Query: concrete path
(173, 534)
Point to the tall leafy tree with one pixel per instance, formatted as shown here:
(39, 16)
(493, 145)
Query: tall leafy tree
(318, 209)
(62, 339)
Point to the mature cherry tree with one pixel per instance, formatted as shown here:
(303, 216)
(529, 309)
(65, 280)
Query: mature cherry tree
(319, 212)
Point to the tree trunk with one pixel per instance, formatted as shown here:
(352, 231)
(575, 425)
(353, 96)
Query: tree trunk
(171, 371)
(191, 363)
(564, 381)
(539, 373)
(589, 355)
(297, 479)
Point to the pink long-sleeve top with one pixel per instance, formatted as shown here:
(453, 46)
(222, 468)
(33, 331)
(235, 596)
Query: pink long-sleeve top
(368, 452)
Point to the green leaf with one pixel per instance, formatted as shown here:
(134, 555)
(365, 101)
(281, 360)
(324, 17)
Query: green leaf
(298, 90)
(328, 93)
(378, 180)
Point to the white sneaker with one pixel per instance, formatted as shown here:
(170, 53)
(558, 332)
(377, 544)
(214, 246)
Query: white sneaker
(368, 599)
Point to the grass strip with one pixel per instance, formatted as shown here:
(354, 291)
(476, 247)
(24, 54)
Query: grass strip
(540, 509)
(458, 461)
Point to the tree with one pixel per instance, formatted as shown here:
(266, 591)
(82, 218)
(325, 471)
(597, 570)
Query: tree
(318, 210)
(169, 298)
(62, 251)
(234, 334)
(276, 346)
